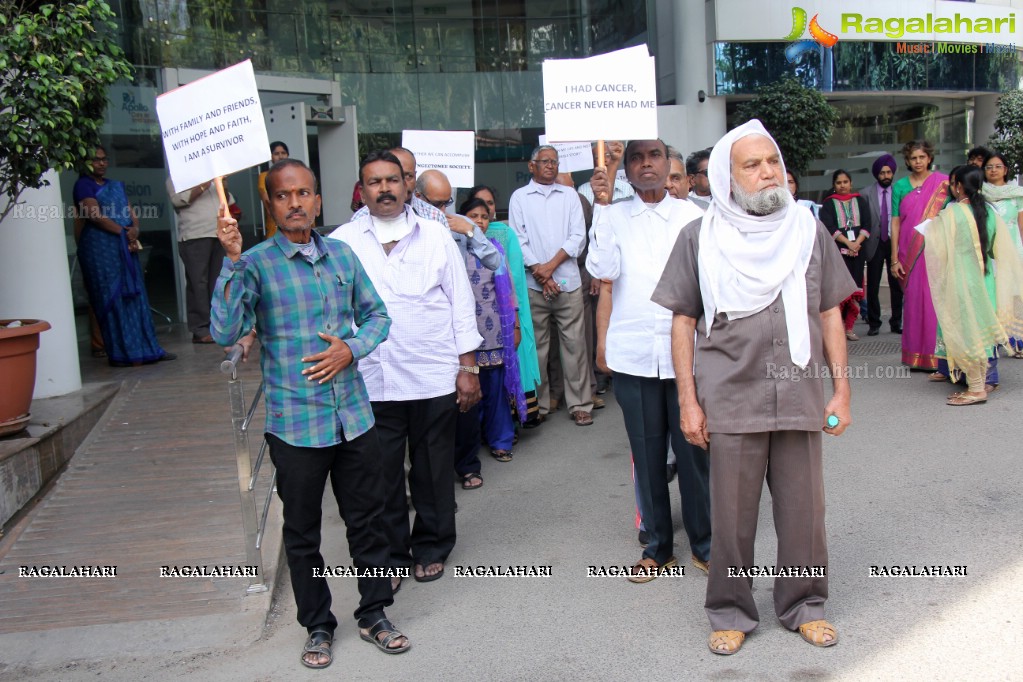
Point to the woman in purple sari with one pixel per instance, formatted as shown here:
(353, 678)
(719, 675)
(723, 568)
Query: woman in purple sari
(500, 380)
(916, 198)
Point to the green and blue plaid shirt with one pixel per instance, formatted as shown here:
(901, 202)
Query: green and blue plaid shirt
(289, 299)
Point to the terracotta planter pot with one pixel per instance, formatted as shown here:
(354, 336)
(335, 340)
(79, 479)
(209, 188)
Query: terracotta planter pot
(18, 347)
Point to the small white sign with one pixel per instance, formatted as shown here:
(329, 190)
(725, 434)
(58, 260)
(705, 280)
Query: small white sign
(213, 126)
(572, 156)
(611, 97)
(452, 152)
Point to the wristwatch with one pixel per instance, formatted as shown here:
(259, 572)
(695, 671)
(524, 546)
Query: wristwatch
(470, 369)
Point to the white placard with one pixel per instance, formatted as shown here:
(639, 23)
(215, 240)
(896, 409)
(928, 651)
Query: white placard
(452, 152)
(213, 126)
(611, 97)
(572, 156)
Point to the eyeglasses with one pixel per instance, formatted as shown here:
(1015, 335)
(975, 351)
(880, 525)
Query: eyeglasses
(546, 162)
(703, 172)
(409, 176)
(99, 159)
(441, 203)
(998, 167)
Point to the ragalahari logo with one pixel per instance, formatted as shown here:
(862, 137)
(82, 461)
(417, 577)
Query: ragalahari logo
(821, 39)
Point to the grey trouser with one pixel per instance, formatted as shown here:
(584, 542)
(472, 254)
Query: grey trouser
(791, 461)
(566, 311)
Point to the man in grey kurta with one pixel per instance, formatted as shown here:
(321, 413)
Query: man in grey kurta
(759, 283)
(200, 251)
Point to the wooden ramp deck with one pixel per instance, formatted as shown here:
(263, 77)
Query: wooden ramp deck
(154, 485)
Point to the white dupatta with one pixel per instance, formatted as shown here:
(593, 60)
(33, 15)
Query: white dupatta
(746, 260)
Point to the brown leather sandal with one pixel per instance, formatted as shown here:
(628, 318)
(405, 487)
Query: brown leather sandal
(726, 642)
(582, 418)
(646, 569)
(815, 631)
(964, 398)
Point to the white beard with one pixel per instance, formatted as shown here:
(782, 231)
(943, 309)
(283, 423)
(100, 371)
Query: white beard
(764, 202)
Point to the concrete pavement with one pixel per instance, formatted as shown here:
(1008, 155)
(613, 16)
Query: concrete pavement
(913, 482)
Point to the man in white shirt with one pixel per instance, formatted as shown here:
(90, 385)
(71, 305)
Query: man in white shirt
(426, 367)
(468, 239)
(629, 245)
(548, 220)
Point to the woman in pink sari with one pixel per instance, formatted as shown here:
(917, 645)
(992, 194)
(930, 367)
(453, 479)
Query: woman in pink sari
(916, 198)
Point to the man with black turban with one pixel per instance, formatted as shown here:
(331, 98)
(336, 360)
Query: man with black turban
(879, 196)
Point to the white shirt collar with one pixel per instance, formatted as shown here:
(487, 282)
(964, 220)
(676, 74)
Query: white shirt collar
(663, 209)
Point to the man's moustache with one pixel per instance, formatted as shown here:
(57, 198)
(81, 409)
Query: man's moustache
(296, 212)
(386, 196)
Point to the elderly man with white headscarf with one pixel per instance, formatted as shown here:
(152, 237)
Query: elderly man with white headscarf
(758, 283)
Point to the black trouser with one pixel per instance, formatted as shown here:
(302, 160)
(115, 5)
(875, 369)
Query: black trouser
(875, 266)
(356, 477)
(651, 412)
(427, 426)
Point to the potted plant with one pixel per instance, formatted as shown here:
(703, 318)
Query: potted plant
(56, 61)
(19, 340)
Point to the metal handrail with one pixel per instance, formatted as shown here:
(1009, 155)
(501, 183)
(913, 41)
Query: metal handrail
(253, 527)
(259, 463)
(266, 510)
(230, 363)
(252, 408)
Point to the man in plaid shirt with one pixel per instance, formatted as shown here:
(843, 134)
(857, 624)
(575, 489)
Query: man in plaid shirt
(304, 295)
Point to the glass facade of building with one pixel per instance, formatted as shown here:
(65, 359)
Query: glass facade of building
(741, 68)
(885, 97)
(444, 65)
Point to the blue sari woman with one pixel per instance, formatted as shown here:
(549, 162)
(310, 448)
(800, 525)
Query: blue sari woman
(111, 269)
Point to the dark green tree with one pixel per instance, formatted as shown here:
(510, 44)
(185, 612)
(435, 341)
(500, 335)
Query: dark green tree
(799, 119)
(56, 61)
(1008, 137)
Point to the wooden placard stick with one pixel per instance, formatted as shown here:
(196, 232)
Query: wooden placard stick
(601, 164)
(222, 195)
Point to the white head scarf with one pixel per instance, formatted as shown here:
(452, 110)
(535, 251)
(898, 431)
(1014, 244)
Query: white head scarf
(746, 260)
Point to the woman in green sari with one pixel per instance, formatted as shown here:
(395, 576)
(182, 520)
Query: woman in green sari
(976, 281)
(529, 367)
(1007, 200)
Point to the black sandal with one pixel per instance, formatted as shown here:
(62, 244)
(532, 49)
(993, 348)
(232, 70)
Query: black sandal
(319, 643)
(467, 481)
(502, 455)
(384, 626)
